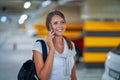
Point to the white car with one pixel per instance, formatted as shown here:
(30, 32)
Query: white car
(112, 65)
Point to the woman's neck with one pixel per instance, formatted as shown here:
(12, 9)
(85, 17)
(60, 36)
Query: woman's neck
(59, 44)
(58, 39)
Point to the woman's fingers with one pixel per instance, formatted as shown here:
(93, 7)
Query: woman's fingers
(51, 34)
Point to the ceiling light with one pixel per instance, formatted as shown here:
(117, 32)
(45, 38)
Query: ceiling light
(45, 3)
(3, 19)
(22, 18)
(21, 21)
(27, 5)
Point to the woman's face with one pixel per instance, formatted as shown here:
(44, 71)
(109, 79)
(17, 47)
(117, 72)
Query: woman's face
(58, 25)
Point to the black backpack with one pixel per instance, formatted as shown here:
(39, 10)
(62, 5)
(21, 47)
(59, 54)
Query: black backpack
(27, 71)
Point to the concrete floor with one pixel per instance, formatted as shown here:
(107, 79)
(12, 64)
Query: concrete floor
(17, 48)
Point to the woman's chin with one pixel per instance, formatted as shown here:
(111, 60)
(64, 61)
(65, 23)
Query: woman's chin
(59, 34)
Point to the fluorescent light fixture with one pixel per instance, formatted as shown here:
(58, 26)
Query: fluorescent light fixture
(45, 3)
(22, 18)
(27, 5)
(3, 19)
(21, 21)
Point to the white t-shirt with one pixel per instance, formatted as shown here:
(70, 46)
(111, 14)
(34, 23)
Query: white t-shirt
(62, 63)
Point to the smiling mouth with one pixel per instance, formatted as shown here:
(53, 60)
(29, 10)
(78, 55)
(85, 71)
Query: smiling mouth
(59, 30)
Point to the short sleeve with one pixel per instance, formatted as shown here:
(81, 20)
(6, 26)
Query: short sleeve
(38, 47)
(73, 50)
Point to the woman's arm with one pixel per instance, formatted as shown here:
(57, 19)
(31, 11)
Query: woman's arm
(44, 69)
(73, 74)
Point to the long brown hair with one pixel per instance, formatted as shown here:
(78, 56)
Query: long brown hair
(48, 20)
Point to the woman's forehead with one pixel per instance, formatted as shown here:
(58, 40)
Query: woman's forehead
(56, 18)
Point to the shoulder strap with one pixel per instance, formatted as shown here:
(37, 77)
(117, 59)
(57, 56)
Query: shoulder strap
(44, 49)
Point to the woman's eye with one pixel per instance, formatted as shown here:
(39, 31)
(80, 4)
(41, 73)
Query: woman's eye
(55, 22)
(63, 22)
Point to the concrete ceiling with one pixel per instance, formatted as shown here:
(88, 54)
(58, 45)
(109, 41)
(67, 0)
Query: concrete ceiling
(15, 7)
(85, 8)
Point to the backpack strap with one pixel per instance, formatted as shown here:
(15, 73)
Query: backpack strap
(44, 49)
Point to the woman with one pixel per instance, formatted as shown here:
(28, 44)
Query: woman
(60, 63)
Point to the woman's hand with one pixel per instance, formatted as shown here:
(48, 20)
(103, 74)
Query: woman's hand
(49, 41)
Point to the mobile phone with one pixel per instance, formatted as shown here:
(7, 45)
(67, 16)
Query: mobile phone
(50, 27)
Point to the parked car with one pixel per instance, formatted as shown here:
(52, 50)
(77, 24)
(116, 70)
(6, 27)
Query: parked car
(112, 65)
(79, 48)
